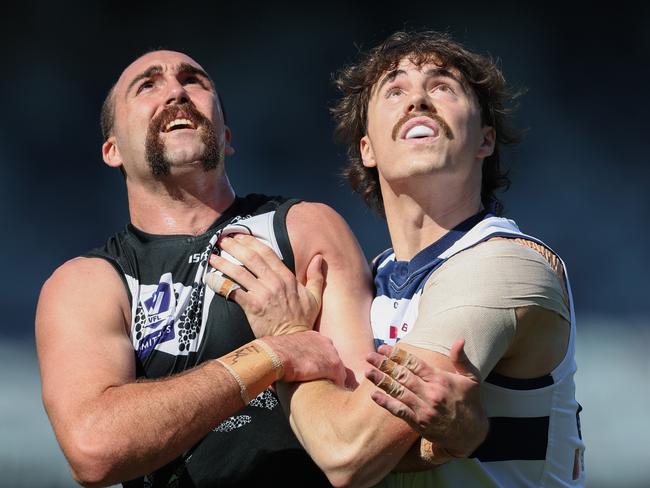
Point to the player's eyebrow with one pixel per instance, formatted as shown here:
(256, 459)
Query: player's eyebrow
(149, 72)
(434, 72)
(157, 69)
(390, 76)
(187, 68)
(444, 72)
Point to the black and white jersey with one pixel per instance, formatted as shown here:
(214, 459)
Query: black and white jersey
(177, 323)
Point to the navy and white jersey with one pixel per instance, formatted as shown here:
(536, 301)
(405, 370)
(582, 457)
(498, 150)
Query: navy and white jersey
(177, 323)
(534, 437)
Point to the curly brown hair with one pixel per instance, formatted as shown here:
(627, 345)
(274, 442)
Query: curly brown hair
(480, 73)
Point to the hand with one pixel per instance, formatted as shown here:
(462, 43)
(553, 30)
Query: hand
(274, 301)
(308, 356)
(443, 407)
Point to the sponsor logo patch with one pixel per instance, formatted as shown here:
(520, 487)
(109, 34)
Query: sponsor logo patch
(158, 307)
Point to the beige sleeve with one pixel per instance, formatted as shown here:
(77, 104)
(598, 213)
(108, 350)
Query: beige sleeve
(474, 296)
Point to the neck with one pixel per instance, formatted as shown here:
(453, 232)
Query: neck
(422, 213)
(180, 204)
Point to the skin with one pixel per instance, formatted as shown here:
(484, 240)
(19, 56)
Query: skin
(112, 427)
(360, 447)
(190, 201)
(428, 186)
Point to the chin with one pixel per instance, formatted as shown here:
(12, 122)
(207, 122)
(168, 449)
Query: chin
(184, 155)
(424, 166)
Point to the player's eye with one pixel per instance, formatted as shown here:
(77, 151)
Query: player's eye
(443, 89)
(145, 86)
(394, 92)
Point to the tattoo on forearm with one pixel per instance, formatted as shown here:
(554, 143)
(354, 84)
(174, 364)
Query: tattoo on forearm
(236, 355)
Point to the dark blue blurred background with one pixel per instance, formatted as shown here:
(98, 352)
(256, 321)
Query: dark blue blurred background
(579, 180)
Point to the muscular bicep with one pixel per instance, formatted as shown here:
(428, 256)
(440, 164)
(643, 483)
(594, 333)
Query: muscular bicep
(81, 339)
(347, 295)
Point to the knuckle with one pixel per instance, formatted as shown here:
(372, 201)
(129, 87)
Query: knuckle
(401, 412)
(435, 397)
(266, 251)
(401, 374)
(428, 414)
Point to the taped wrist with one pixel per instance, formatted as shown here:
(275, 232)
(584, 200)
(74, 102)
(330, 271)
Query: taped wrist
(254, 366)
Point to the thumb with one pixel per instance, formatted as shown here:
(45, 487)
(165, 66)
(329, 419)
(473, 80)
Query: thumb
(461, 362)
(315, 278)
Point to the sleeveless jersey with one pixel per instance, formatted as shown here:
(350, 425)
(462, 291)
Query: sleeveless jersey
(534, 437)
(177, 323)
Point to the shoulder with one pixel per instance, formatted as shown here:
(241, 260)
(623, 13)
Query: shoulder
(80, 285)
(498, 256)
(318, 223)
(500, 272)
(82, 270)
(316, 228)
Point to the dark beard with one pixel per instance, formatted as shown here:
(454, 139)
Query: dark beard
(155, 149)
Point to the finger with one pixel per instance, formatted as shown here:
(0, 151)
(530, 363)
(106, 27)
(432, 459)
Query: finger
(226, 288)
(461, 362)
(406, 359)
(375, 359)
(340, 375)
(315, 278)
(401, 392)
(416, 375)
(386, 383)
(413, 383)
(265, 251)
(220, 284)
(385, 349)
(395, 407)
(238, 274)
(248, 257)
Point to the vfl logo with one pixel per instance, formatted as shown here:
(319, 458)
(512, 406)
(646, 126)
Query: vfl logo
(158, 306)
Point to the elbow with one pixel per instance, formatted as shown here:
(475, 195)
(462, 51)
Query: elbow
(91, 462)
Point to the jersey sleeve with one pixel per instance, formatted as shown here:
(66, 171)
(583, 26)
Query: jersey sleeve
(474, 296)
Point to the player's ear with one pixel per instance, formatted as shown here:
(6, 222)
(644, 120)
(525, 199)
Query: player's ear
(111, 153)
(367, 153)
(228, 149)
(489, 140)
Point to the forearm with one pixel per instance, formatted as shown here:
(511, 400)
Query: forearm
(352, 440)
(135, 428)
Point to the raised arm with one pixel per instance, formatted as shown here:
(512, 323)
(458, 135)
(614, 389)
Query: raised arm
(113, 428)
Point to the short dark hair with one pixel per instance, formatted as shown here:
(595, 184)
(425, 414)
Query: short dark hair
(480, 73)
(107, 117)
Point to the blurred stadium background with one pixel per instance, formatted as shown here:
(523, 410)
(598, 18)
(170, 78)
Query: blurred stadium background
(580, 178)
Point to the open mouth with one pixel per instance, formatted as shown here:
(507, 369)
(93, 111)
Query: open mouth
(419, 132)
(179, 123)
(418, 128)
